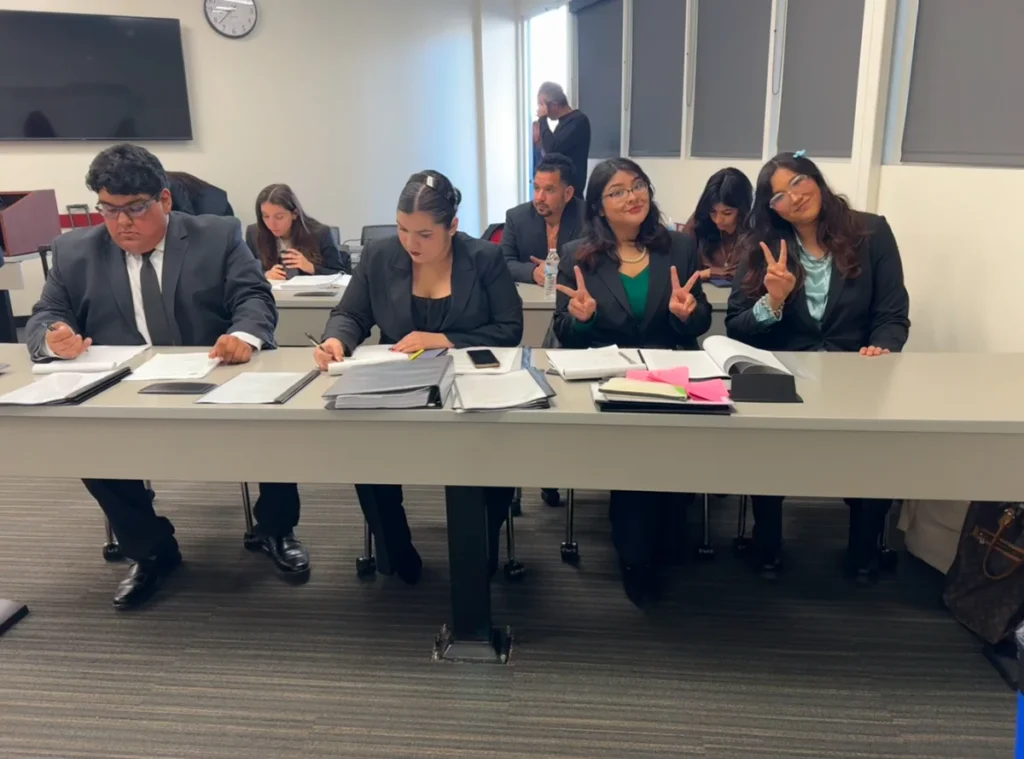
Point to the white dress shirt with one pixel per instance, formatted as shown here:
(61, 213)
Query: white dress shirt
(134, 265)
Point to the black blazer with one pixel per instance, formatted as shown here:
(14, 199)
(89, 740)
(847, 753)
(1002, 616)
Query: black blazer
(486, 309)
(210, 200)
(870, 309)
(614, 323)
(526, 235)
(333, 260)
(571, 138)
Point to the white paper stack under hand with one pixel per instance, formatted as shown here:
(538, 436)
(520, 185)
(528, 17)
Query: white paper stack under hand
(98, 358)
(313, 282)
(499, 392)
(168, 367)
(594, 363)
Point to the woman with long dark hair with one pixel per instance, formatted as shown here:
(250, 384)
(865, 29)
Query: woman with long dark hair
(289, 242)
(815, 275)
(630, 282)
(719, 220)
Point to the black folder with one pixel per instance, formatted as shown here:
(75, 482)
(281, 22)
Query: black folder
(421, 383)
(104, 381)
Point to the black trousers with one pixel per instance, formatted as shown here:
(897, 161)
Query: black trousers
(648, 528)
(142, 533)
(384, 511)
(867, 523)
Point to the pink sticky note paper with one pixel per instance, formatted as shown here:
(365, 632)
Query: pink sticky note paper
(640, 375)
(708, 390)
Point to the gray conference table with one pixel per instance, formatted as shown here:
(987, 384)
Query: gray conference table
(301, 313)
(917, 425)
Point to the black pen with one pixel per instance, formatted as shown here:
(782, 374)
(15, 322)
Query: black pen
(627, 358)
(316, 343)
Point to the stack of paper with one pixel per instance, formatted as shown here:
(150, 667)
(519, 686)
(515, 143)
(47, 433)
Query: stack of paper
(424, 383)
(700, 365)
(509, 358)
(168, 367)
(98, 358)
(369, 355)
(259, 388)
(513, 390)
(313, 282)
(594, 363)
(57, 388)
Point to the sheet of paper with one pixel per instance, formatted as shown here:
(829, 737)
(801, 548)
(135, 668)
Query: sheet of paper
(509, 358)
(595, 363)
(253, 387)
(482, 392)
(51, 388)
(726, 352)
(167, 367)
(700, 364)
(366, 355)
(98, 358)
(314, 282)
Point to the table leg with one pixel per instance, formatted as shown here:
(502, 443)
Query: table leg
(11, 612)
(471, 636)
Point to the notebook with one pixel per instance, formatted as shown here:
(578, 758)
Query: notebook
(367, 355)
(260, 388)
(517, 389)
(594, 363)
(733, 356)
(624, 395)
(424, 383)
(98, 358)
(64, 388)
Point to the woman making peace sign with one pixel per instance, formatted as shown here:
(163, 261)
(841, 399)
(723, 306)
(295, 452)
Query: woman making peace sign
(816, 275)
(630, 282)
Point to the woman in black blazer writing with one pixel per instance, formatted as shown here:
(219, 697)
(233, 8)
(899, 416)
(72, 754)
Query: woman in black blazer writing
(430, 287)
(288, 242)
(630, 282)
(817, 276)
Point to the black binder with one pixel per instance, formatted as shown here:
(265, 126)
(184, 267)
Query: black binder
(420, 383)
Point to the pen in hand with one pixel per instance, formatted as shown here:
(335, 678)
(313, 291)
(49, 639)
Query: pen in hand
(316, 343)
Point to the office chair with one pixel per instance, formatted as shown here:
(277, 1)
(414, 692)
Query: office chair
(377, 231)
(336, 235)
(494, 233)
(366, 565)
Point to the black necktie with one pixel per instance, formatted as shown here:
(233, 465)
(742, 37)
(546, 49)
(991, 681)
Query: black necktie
(160, 332)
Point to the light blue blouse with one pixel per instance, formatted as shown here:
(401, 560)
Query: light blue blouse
(817, 278)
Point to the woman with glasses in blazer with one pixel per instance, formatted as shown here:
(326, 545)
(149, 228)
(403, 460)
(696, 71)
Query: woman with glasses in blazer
(630, 282)
(429, 287)
(815, 275)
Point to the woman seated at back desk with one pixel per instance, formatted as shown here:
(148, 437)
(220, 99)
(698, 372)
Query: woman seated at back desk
(430, 287)
(288, 242)
(630, 282)
(815, 275)
(720, 218)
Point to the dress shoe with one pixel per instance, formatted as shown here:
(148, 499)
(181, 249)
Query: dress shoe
(144, 579)
(410, 566)
(551, 497)
(288, 554)
(862, 568)
(640, 582)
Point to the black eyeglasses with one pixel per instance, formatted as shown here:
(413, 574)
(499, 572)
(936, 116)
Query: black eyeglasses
(639, 187)
(133, 210)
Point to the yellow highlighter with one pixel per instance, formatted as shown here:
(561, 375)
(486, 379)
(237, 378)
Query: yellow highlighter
(416, 355)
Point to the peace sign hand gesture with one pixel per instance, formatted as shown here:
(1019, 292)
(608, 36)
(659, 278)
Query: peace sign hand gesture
(779, 281)
(682, 303)
(582, 305)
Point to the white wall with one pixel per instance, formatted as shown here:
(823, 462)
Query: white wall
(342, 99)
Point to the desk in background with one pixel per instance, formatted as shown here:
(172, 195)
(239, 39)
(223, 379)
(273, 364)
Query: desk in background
(904, 418)
(299, 314)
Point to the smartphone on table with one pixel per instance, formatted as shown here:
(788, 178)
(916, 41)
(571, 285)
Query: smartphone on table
(483, 358)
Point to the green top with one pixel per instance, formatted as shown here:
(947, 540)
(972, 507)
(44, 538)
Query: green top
(636, 293)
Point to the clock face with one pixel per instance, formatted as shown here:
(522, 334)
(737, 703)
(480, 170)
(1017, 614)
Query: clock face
(232, 18)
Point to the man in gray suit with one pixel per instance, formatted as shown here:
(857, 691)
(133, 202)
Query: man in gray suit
(153, 277)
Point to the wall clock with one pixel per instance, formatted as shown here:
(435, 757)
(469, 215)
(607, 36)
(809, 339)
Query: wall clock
(233, 19)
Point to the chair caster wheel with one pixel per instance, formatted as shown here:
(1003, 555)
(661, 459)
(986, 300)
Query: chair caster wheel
(152, 494)
(366, 566)
(705, 553)
(251, 542)
(514, 571)
(112, 552)
(516, 509)
(888, 559)
(740, 546)
(571, 553)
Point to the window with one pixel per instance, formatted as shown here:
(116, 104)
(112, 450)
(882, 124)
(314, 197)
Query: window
(731, 78)
(822, 64)
(966, 94)
(599, 63)
(656, 78)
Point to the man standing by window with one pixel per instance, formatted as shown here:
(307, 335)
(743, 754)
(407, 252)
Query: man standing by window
(571, 137)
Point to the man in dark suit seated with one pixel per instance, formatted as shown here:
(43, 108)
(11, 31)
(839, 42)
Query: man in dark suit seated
(153, 277)
(554, 218)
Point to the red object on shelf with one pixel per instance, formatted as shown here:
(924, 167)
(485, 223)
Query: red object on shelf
(81, 220)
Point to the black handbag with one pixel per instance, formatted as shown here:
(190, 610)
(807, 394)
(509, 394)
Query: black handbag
(985, 588)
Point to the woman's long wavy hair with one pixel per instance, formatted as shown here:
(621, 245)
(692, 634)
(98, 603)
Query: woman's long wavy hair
(305, 234)
(598, 237)
(840, 229)
(731, 188)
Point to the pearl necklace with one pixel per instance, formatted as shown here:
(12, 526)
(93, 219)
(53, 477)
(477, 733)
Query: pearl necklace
(638, 259)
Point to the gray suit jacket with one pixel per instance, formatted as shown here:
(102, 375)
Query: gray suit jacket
(211, 284)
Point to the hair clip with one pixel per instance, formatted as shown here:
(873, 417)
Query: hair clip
(800, 154)
(430, 182)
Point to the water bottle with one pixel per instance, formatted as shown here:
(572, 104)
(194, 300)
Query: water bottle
(550, 273)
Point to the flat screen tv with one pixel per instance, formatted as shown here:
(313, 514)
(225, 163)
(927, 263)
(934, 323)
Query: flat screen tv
(71, 76)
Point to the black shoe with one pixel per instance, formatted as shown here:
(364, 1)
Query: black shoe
(640, 583)
(410, 566)
(551, 497)
(768, 561)
(864, 571)
(288, 554)
(144, 579)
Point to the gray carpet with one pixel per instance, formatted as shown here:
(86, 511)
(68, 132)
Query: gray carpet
(234, 662)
